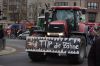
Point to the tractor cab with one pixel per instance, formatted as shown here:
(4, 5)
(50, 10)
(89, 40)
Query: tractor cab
(70, 16)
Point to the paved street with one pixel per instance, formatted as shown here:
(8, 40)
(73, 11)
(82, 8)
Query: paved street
(20, 58)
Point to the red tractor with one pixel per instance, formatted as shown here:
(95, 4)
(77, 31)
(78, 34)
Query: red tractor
(64, 35)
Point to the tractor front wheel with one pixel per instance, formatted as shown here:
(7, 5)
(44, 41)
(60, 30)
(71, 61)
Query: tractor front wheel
(79, 58)
(37, 56)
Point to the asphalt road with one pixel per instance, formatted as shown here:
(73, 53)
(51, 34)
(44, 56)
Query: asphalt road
(20, 57)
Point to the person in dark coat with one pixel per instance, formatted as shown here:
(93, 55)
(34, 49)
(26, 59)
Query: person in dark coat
(31, 31)
(94, 54)
(2, 40)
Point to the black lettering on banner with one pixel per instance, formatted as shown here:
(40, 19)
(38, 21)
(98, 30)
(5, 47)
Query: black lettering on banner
(35, 44)
(41, 42)
(69, 45)
(65, 45)
(77, 47)
(49, 43)
(57, 45)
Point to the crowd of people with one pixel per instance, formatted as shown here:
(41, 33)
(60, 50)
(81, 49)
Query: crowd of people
(13, 30)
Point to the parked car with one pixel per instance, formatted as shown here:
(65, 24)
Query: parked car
(28, 32)
(24, 35)
(12, 30)
(34, 29)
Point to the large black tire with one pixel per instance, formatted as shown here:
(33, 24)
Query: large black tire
(79, 58)
(37, 56)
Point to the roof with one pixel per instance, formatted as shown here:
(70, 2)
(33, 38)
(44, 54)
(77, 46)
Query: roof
(66, 7)
(92, 24)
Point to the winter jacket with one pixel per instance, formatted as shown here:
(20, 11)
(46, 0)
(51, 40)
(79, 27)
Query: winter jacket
(94, 54)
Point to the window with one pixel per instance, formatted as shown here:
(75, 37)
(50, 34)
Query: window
(92, 5)
(74, 3)
(61, 4)
(92, 17)
(67, 15)
(12, 7)
(63, 15)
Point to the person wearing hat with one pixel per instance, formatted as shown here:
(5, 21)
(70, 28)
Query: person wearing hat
(1, 32)
(2, 40)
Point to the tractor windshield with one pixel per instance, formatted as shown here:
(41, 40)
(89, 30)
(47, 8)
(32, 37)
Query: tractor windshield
(63, 15)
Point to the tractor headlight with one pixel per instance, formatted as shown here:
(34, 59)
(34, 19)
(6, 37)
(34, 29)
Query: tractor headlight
(48, 33)
(61, 34)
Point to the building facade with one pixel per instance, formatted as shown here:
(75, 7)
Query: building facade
(15, 10)
(93, 10)
(1, 8)
(70, 3)
(31, 9)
